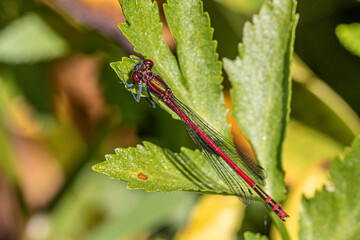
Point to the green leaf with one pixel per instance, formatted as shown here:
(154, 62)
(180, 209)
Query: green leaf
(198, 59)
(349, 36)
(254, 236)
(334, 212)
(155, 169)
(261, 85)
(8, 158)
(144, 30)
(29, 39)
(197, 81)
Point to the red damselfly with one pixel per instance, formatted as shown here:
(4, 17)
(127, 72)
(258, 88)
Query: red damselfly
(234, 167)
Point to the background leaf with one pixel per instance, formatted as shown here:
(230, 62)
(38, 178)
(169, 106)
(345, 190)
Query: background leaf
(349, 36)
(7, 163)
(254, 236)
(336, 208)
(127, 213)
(261, 86)
(29, 39)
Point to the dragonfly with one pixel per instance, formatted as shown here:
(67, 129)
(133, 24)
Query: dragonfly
(241, 173)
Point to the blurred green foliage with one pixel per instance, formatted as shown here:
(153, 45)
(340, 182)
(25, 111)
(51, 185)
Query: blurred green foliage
(318, 46)
(338, 200)
(349, 35)
(14, 50)
(49, 137)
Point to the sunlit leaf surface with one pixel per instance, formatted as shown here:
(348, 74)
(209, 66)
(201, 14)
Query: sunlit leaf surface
(260, 79)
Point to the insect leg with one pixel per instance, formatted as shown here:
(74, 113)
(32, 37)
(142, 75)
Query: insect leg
(130, 85)
(151, 100)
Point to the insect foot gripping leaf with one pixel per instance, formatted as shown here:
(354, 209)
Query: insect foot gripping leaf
(334, 212)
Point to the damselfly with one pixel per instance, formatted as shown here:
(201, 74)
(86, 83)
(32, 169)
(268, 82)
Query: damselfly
(233, 166)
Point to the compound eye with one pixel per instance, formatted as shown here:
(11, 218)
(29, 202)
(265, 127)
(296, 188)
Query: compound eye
(148, 61)
(135, 77)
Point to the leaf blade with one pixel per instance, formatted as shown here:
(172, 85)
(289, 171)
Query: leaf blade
(261, 85)
(155, 169)
(144, 30)
(198, 60)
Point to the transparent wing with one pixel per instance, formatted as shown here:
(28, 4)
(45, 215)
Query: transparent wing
(235, 183)
(245, 162)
